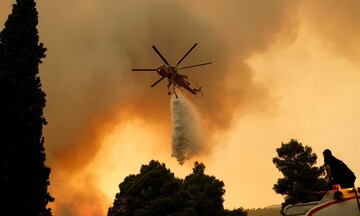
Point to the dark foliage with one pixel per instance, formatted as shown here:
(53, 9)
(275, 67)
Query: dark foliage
(264, 212)
(236, 212)
(24, 178)
(156, 191)
(207, 191)
(301, 178)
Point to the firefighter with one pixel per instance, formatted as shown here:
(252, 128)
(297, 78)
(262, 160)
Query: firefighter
(337, 171)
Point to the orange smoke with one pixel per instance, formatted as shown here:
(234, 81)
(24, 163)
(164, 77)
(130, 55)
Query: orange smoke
(73, 178)
(92, 93)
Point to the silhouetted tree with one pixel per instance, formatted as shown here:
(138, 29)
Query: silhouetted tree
(236, 212)
(24, 178)
(207, 191)
(301, 177)
(264, 211)
(155, 191)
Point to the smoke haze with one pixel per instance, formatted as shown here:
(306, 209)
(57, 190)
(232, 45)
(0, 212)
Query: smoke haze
(92, 45)
(91, 93)
(327, 17)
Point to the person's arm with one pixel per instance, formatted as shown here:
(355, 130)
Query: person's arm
(328, 172)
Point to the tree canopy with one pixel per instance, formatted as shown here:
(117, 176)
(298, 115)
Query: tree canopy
(156, 191)
(207, 191)
(301, 178)
(24, 177)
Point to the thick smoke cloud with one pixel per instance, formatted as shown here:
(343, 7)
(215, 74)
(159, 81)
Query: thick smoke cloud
(92, 45)
(187, 138)
(337, 24)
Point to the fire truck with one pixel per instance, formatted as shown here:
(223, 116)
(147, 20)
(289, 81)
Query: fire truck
(336, 202)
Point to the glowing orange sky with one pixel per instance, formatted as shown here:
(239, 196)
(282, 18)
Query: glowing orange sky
(281, 70)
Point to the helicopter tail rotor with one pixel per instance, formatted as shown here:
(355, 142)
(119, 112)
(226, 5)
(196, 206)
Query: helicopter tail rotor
(198, 89)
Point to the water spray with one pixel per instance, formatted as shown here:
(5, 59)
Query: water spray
(186, 131)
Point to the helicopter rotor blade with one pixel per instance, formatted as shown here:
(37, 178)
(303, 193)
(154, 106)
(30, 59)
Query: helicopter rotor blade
(157, 81)
(162, 57)
(186, 55)
(143, 69)
(194, 65)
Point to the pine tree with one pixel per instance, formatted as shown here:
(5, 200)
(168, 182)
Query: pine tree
(155, 191)
(207, 191)
(301, 178)
(24, 177)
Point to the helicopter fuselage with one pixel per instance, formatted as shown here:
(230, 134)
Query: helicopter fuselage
(178, 80)
(165, 70)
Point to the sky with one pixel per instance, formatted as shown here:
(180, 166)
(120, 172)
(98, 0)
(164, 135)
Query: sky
(281, 70)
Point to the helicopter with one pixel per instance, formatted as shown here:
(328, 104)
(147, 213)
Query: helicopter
(171, 73)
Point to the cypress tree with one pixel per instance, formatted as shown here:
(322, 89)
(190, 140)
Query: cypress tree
(24, 177)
